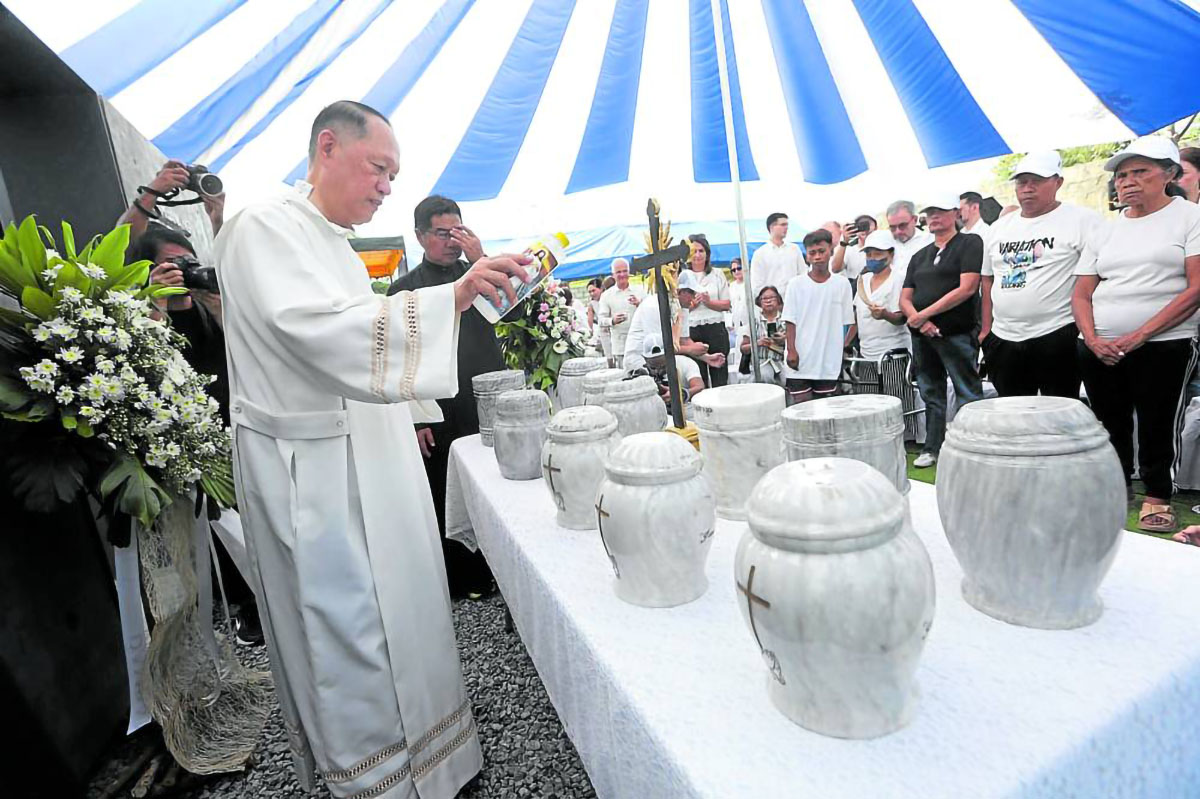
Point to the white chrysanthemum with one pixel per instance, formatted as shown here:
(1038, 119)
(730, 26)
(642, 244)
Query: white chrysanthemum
(50, 273)
(88, 412)
(42, 333)
(45, 368)
(72, 294)
(52, 253)
(62, 329)
(128, 375)
(93, 314)
(65, 395)
(104, 366)
(113, 390)
(123, 339)
(70, 355)
(106, 335)
(93, 271)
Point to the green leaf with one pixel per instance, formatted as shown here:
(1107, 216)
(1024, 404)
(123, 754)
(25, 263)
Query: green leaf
(68, 240)
(109, 255)
(132, 276)
(33, 250)
(34, 413)
(15, 318)
(45, 476)
(84, 429)
(86, 254)
(68, 421)
(37, 302)
(14, 395)
(13, 275)
(135, 491)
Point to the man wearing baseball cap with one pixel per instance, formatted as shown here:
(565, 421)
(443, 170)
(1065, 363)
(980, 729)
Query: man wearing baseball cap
(939, 301)
(1029, 335)
(646, 331)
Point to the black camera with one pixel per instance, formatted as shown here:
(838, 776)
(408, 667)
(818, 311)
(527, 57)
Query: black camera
(195, 275)
(203, 182)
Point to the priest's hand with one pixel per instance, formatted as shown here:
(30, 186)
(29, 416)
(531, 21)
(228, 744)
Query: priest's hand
(490, 277)
(425, 441)
(465, 238)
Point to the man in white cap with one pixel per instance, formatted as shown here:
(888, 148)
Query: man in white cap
(939, 300)
(1028, 334)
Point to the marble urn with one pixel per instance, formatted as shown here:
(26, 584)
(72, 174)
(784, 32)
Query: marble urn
(487, 387)
(863, 427)
(570, 379)
(837, 593)
(656, 515)
(520, 431)
(579, 439)
(595, 381)
(1032, 498)
(636, 404)
(740, 438)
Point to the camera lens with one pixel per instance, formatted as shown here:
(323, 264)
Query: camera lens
(210, 184)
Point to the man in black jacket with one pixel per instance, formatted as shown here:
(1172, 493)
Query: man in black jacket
(450, 248)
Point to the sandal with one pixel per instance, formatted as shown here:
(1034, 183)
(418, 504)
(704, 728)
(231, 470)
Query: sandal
(1188, 535)
(1156, 518)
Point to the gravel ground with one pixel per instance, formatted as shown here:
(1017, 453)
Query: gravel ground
(526, 752)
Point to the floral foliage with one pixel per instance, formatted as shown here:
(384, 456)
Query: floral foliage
(545, 333)
(83, 355)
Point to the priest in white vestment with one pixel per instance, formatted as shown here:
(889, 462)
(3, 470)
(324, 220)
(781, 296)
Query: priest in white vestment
(340, 524)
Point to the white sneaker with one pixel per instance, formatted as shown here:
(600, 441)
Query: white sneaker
(925, 460)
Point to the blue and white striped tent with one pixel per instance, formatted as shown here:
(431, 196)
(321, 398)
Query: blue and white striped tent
(567, 114)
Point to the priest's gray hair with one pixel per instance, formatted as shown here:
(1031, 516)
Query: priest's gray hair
(344, 116)
(906, 205)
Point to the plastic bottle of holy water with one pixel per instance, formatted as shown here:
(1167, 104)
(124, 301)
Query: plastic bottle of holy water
(547, 253)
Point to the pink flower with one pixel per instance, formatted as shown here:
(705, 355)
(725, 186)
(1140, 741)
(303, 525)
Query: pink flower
(543, 318)
(545, 307)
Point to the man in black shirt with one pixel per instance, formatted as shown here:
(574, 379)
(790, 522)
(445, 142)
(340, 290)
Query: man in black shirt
(450, 248)
(939, 298)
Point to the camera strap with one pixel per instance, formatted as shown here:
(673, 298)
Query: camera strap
(166, 198)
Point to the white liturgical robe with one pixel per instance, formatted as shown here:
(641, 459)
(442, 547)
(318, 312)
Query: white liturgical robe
(340, 527)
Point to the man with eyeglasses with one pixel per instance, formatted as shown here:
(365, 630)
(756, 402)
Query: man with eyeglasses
(450, 249)
(902, 222)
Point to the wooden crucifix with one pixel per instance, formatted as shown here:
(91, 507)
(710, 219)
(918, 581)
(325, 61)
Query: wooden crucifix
(657, 259)
(601, 515)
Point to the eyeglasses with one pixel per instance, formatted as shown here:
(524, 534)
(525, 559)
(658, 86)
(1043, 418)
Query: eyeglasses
(442, 233)
(735, 269)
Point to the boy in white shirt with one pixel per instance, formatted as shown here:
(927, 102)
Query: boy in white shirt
(820, 324)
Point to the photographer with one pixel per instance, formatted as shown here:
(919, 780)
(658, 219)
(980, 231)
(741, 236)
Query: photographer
(772, 338)
(655, 365)
(175, 176)
(848, 256)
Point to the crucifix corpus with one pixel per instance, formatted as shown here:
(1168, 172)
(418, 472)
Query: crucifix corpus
(656, 260)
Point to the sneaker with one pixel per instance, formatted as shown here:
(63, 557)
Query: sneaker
(246, 626)
(925, 460)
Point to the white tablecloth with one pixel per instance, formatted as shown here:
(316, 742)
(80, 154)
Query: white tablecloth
(673, 703)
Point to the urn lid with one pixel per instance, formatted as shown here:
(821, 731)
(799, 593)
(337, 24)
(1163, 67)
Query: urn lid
(1026, 426)
(582, 422)
(501, 380)
(653, 458)
(744, 405)
(522, 404)
(844, 420)
(624, 390)
(593, 382)
(573, 367)
(825, 505)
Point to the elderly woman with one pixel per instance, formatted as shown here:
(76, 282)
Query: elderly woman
(707, 316)
(881, 325)
(1136, 293)
(772, 337)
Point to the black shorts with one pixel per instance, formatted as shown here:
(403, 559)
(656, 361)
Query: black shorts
(819, 388)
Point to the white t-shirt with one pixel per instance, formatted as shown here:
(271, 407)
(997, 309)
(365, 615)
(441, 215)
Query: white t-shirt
(1032, 265)
(737, 305)
(775, 266)
(906, 250)
(1140, 264)
(853, 263)
(615, 301)
(688, 369)
(645, 332)
(878, 336)
(819, 311)
(718, 289)
(981, 229)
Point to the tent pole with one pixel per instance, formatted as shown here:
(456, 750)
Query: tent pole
(735, 179)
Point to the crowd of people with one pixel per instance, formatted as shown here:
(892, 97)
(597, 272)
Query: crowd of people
(1050, 298)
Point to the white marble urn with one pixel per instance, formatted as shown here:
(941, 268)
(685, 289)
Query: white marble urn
(579, 439)
(863, 427)
(740, 438)
(656, 515)
(520, 432)
(487, 387)
(636, 404)
(595, 381)
(570, 379)
(1032, 498)
(837, 593)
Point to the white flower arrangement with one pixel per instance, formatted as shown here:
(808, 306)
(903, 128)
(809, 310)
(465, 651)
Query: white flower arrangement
(98, 361)
(542, 336)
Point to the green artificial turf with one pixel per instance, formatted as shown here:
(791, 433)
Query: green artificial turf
(1182, 502)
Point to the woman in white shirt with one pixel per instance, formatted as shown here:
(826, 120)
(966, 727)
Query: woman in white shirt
(881, 325)
(1136, 294)
(706, 319)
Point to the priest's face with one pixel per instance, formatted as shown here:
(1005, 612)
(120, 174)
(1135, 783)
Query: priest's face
(357, 173)
(436, 242)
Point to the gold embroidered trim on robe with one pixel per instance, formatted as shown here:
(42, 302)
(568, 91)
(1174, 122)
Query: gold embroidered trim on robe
(445, 752)
(440, 728)
(412, 345)
(364, 765)
(380, 327)
(383, 785)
